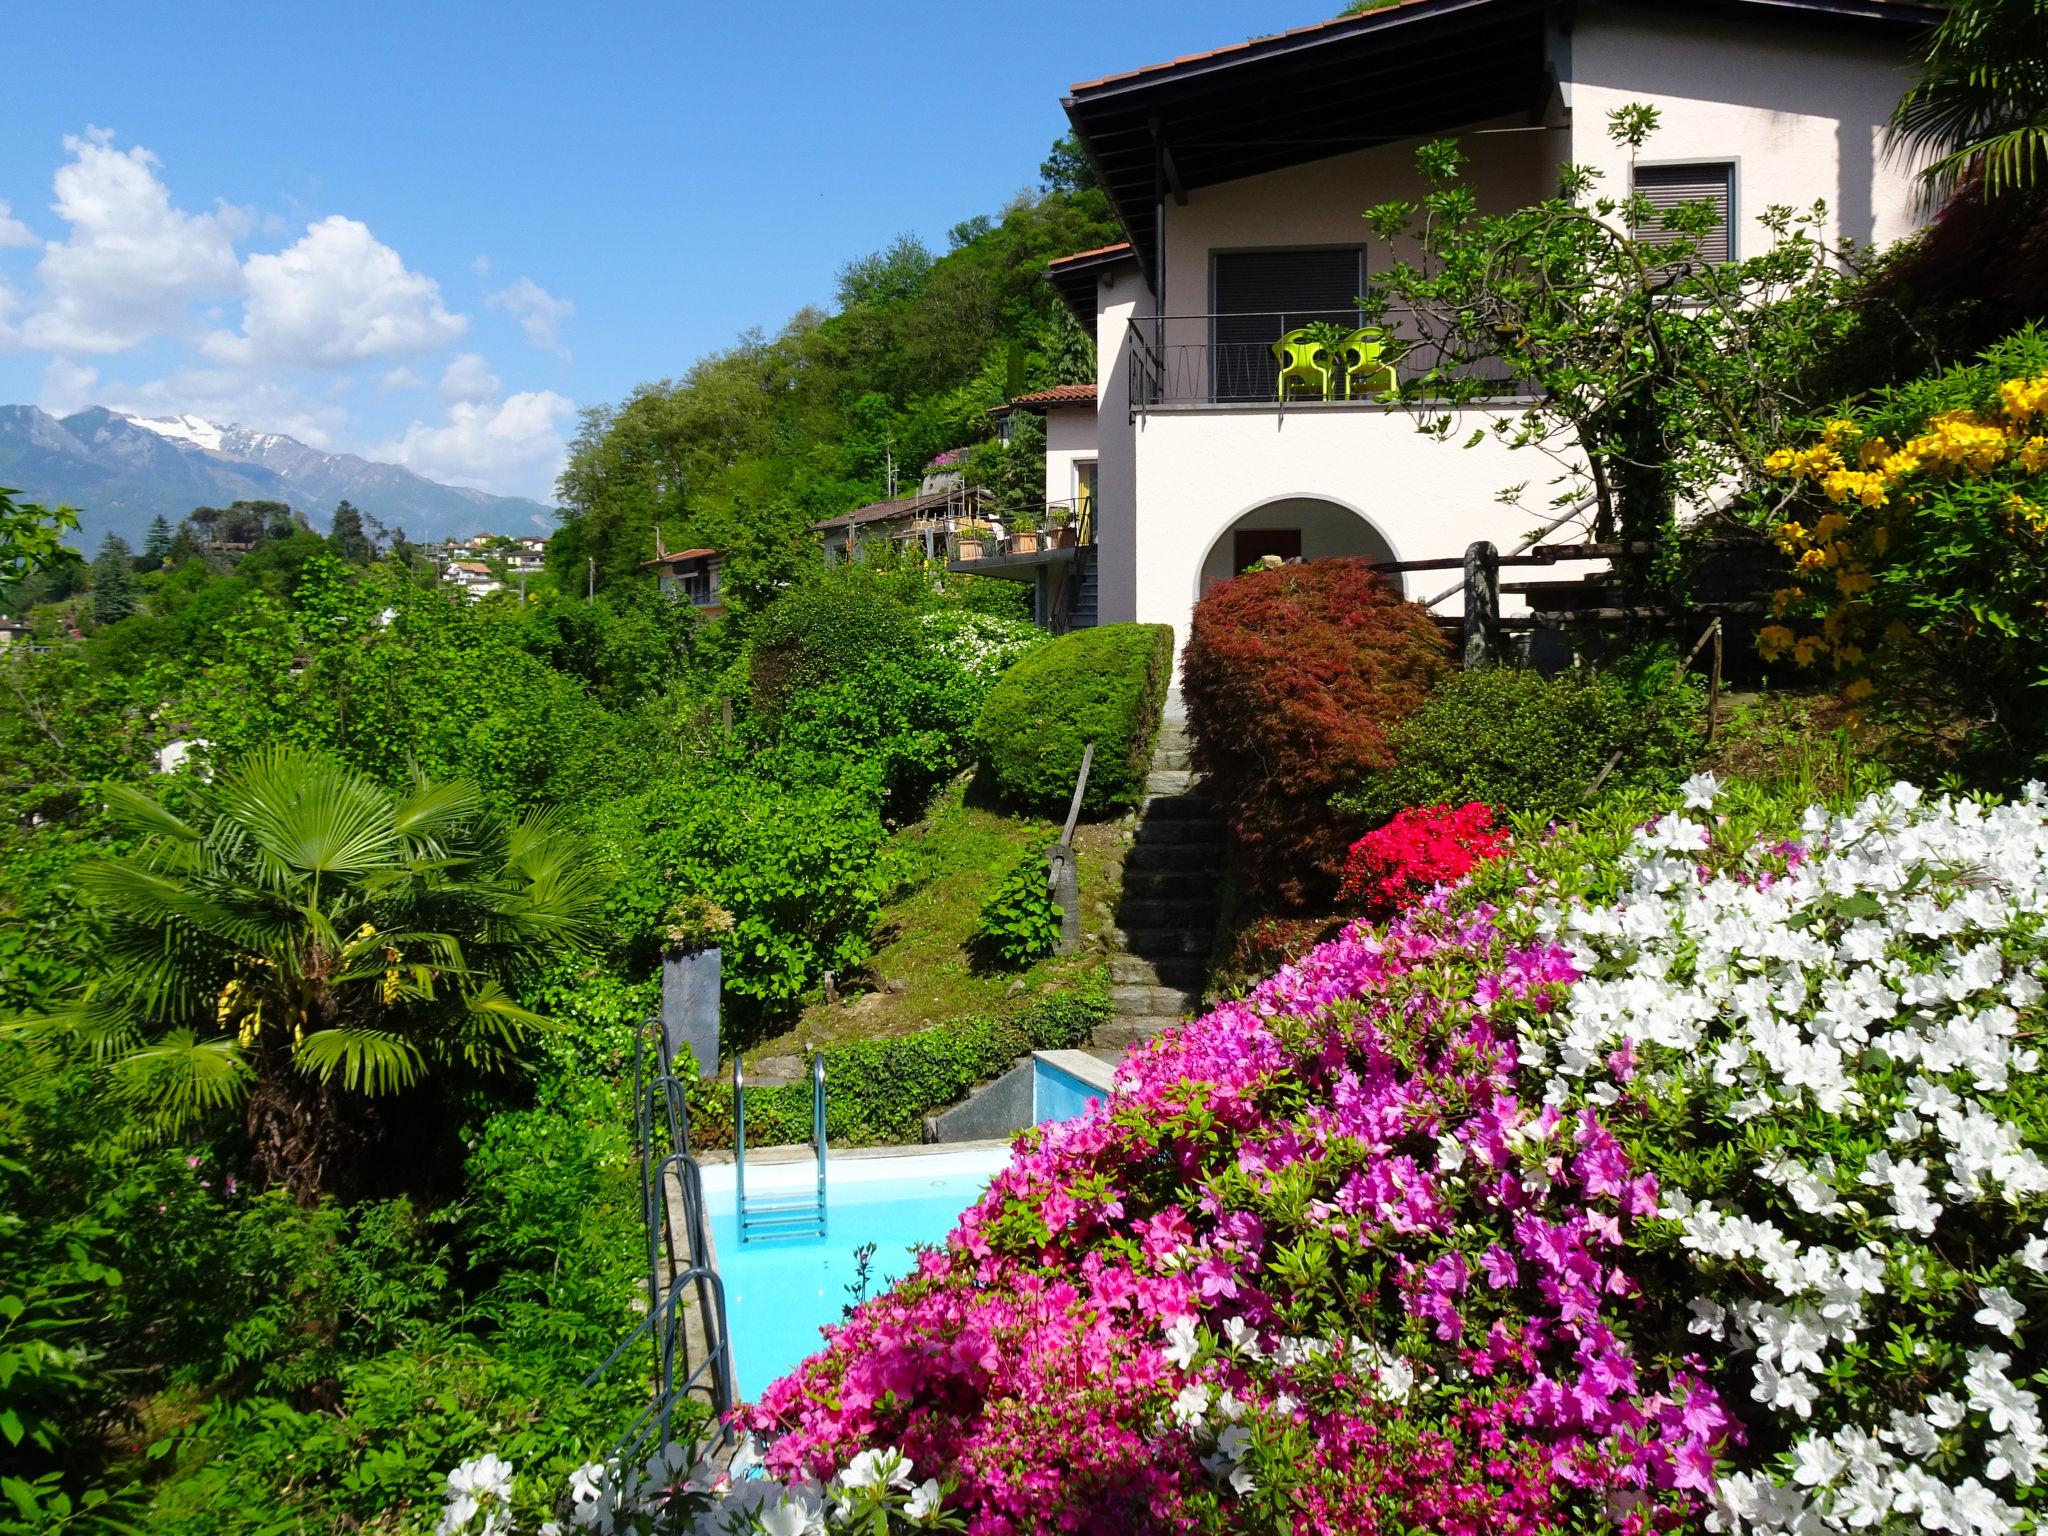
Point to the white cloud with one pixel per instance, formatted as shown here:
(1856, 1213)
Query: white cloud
(67, 386)
(481, 266)
(337, 296)
(540, 313)
(397, 379)
(12, 230)
(132, 263)
(468, 378)
(515, 447)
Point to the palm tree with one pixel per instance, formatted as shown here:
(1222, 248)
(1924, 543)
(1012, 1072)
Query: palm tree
(1981, 104)
(309, 941)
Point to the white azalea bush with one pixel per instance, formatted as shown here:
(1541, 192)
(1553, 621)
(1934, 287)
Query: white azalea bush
(1826, 1047)
(677, 1493)
(981, 644)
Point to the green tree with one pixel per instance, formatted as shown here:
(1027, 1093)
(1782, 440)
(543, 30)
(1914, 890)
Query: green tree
(306, 941)
(113, 581)
(1980, 106)
(31, 537)
(157, 543)
(347, 536)
(1659, 373)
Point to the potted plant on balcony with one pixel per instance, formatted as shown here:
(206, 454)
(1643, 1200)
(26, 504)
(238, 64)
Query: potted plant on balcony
(1024, 534)
(1059, 525)
(972, 538)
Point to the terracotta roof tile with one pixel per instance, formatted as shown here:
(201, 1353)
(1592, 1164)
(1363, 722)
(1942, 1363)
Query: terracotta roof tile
(1059, 394)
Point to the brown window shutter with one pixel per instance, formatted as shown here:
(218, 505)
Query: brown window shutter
(1669, 186)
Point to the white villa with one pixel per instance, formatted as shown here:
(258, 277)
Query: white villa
(1240, 176)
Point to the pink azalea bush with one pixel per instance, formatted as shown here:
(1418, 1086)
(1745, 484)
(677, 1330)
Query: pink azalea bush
(1317, 1254)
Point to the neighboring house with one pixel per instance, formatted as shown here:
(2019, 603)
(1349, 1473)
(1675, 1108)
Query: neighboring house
(692, 576)
(1240, 175)
(12, 630)
(471, 577)
(929, 519)
(1060, 571)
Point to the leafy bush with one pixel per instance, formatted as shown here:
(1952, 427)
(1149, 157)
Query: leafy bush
(1105, 685)
(1392, 866)
(838, 623)
(1296, 679)
(797, 867)
(1020, 921)
(1518, 741)
(1919, 532)
(879, 1091)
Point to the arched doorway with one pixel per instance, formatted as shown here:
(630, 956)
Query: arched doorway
(1303, 527)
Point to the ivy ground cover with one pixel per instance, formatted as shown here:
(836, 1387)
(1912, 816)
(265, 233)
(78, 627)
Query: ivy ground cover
(1678, 1175)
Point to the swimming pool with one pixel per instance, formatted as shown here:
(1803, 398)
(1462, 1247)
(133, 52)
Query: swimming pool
(780, 1291)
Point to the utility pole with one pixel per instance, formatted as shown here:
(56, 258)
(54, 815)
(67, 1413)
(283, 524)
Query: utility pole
(590, 581)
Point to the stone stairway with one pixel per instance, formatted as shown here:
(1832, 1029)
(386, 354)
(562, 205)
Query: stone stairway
(1166, 916)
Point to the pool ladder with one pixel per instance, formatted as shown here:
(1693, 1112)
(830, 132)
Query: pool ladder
(786, 1217)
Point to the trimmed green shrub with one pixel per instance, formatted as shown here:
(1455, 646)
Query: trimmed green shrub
(1521, 742)
(837, 624)
(879, 1091)
(1020, 921)
(1104, 685)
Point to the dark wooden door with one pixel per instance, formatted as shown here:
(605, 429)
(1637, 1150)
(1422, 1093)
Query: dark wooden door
(1254, 544)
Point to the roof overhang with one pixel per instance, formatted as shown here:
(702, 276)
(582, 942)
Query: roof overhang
(1076, 279)
(1412, 69)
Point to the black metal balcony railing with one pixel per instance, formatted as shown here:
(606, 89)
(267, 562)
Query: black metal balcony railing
(1229, 360)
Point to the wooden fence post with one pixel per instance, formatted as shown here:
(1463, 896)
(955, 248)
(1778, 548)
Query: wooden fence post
(1482, 603)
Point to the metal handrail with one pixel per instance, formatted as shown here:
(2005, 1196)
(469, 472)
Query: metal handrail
(739, 1143)
(818, 1128)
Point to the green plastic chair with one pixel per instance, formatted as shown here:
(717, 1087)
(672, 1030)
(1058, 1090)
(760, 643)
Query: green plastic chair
(1363, 357)
(1297, 353)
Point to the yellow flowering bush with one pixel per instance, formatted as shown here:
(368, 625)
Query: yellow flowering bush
(1918, 535)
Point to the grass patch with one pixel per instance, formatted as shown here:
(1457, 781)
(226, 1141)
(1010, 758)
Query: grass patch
(942, 869)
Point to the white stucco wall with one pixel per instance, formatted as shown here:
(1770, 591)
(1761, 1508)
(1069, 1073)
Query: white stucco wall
(1121, 300)
(1800, 112)
(1201, 469)
(1323, 203)
(1070, 433)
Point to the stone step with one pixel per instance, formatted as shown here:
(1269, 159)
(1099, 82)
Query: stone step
(1157, 884)
(1171, 759)
(1180, 829)
(1183, 973)
(1127, 1032)
(1158, 857)
(1166, 943)
(1186, 913)
(1178, 807)
(1169, 781)
(1147, 1001)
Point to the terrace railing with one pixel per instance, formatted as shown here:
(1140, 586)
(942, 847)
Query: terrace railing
(1217, 359)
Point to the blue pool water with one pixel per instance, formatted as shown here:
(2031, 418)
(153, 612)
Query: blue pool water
(779, 1292)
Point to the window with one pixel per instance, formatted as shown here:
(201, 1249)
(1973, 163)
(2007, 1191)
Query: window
(1669, 186)
(1259, 296)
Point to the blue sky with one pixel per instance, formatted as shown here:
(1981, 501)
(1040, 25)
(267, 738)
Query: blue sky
(430, 232)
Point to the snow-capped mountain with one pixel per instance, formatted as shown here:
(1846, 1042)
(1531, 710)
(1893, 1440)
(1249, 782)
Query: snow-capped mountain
(120, 471)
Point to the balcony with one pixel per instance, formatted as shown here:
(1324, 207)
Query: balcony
(1242, 360)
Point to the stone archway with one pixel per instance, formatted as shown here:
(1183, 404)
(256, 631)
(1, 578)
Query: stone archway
(1311, 527)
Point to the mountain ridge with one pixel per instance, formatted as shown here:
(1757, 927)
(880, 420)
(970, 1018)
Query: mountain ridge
(120, 470)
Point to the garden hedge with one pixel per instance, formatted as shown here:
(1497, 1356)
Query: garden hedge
(1514, 739)
(1105, 685)
(825, 629)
